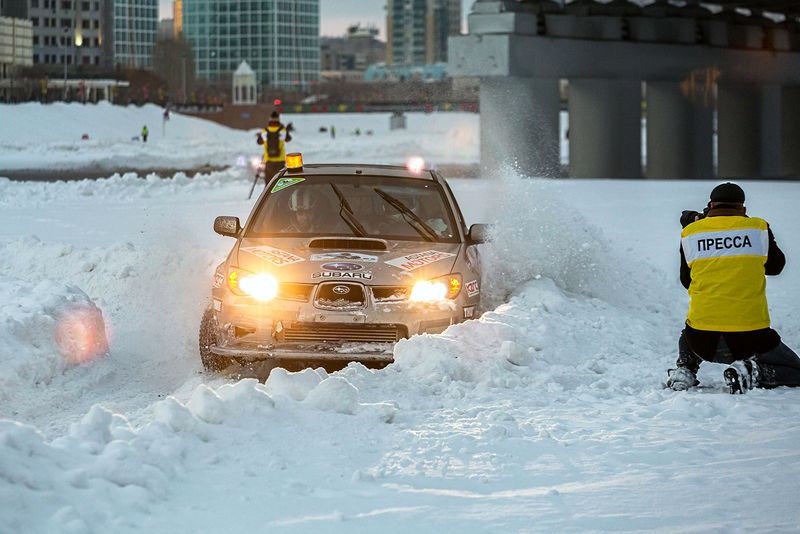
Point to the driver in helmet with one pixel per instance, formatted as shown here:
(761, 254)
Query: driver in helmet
(303, 205)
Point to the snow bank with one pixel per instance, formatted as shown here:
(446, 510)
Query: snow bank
(104, 472)
(128, 188)
(546, 411)
(45, 328)
(36, 136)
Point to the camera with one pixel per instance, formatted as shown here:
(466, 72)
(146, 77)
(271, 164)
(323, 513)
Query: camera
(690, 216)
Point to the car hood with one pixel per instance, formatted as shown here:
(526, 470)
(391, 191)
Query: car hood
(291, 260)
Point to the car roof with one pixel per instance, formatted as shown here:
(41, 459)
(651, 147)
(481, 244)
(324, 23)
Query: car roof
(354, 169)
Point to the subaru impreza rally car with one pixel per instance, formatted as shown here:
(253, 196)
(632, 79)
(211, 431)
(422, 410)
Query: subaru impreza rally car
(336, 263)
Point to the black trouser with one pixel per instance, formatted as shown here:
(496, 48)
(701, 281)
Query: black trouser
(778, 364)
(271, 168)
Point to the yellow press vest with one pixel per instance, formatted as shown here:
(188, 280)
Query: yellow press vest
(281, 145)
(727, 255)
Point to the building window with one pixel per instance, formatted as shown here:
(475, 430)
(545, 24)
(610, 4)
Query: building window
(85, 24)
(66, 4)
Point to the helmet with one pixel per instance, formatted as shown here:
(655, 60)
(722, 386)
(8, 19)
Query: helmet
(303, 198)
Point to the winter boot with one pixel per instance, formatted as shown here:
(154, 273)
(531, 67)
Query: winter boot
(681, 379)
(741, 376)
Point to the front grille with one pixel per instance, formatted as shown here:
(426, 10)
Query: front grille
(290, 291)
(336, 333)
(341, 296)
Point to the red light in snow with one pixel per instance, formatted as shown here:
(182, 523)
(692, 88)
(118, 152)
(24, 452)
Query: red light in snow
(277, 102)
(81, 335)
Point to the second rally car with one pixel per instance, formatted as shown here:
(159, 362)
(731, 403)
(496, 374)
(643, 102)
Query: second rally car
(336, 263)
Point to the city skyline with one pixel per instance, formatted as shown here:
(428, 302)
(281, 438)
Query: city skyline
(337, 15)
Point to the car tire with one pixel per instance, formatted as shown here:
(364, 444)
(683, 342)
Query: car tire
(207, 339)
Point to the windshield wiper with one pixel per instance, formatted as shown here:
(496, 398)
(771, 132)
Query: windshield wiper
(410, 217)
(346, 213)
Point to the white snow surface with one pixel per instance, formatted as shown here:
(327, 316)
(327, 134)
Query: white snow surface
(545, 415)
(33, 136)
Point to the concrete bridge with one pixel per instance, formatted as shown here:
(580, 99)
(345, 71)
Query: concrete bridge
(687, 72)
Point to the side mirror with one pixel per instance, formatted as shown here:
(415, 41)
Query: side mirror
(227, 226)
(478, 233)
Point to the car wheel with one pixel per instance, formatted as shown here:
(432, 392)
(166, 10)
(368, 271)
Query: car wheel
(208, 338)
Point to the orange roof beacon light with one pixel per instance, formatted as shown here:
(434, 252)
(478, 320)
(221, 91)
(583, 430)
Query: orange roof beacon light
(294, 161)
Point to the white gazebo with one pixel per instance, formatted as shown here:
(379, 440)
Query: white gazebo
(244, 85)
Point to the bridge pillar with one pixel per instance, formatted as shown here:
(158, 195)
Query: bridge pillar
(519, 124)
(605, 128)
(790, 132)
(749, 130)
(680, 130)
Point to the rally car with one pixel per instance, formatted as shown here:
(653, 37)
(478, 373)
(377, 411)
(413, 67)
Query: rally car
(336, 263)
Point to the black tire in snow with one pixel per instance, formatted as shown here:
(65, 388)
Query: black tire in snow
(208, 338)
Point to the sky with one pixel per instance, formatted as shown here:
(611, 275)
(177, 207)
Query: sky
(337, 15)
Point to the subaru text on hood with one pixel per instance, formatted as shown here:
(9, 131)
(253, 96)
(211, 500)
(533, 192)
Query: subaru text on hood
(336, 263)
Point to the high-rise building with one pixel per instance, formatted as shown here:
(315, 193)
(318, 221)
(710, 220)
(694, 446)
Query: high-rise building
(16, 50)
(349, 56)
(70, 32)
(177, 18)
(17, 9)
(100, 33)
(417, 30)
(279, 39)
(135, 32)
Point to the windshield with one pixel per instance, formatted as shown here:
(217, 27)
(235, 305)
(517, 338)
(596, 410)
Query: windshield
(368, 206)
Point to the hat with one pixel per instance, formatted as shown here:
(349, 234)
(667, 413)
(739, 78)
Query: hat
(274, 115)
(728, 193)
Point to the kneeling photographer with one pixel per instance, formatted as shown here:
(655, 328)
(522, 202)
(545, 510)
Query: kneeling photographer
(725, 256)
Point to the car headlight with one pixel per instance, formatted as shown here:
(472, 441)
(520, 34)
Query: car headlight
(259, 286)
(446, 287)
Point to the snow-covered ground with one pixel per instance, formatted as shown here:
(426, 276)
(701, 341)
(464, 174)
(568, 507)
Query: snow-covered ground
(546, 415)
(33, 136)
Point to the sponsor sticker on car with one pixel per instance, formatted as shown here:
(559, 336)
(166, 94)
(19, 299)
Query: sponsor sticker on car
(341, 266)
(344, 256)
(283, 183)
(472, 288)
(342, 275)
(419, 259)
(277, 257)
(219, 279)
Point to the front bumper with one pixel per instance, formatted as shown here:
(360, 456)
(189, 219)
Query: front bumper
(304, 353)
(292, 330)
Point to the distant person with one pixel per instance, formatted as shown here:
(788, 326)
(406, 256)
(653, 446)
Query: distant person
(273, 137)
(164, 121)
(358, 131)
(145, 133)
(725, 256)
(333, 132)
